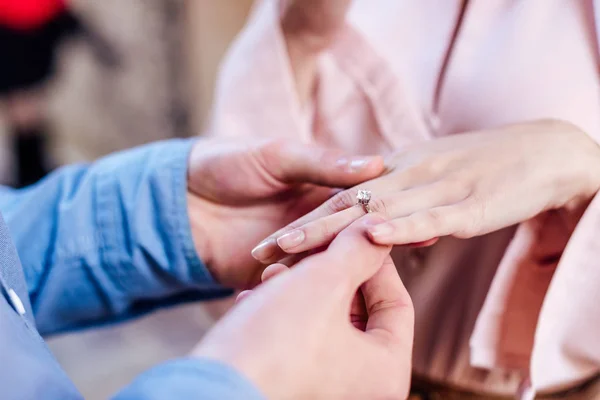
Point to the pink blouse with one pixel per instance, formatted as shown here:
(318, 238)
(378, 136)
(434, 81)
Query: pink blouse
(493, 311)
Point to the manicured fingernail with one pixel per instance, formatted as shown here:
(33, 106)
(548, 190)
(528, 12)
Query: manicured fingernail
(359, 164)
(381, 230)
(355, 164)
(291, 239)
(264, 250)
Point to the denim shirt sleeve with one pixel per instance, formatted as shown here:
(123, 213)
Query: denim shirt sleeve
(190, 379)
(108, 241)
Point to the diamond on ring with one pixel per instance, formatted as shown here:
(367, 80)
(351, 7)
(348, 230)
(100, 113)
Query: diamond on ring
(363, 197)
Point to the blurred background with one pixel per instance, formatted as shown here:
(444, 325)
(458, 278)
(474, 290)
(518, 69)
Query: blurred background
(117, 73)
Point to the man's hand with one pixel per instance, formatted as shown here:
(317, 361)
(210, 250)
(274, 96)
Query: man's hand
(292, 336)
(239, 193)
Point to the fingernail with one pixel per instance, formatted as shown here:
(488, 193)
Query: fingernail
(354, 164)
(359, 164)
(291, 239)
(264, 250)
(381, 230)
(243, 294)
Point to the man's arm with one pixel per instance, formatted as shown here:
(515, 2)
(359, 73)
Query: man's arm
(191, 378)
(267, 345)
(107, 241)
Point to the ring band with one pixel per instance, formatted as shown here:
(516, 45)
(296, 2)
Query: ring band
(363, 197)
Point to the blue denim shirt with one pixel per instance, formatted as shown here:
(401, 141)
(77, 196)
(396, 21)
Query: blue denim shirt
(99, 244)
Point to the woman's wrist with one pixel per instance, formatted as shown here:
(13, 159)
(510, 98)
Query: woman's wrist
(586, 165)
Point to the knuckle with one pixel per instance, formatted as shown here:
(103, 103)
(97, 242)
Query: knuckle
(435, 220)
(479, 212)
(465, 233)
(424, 225)
(379, 205)
(273, 148)
(321, 231)
(342, 201)
(270, 153)
(434, 164)
(474, 214)
(327, 156)
(457, 188)
(411, 226)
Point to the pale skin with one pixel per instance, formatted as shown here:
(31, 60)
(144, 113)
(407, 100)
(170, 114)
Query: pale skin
(465, 185)
(462, 186)
(238, 193)
(292, 337)
(301, 334)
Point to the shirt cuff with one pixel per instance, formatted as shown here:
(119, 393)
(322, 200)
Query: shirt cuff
(197, 269)
(191, 379)
(148, 251)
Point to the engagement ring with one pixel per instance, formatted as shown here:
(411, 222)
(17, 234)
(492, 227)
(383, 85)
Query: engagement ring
(362, 199)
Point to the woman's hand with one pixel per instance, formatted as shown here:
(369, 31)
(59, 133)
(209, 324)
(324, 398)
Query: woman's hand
(464, 185)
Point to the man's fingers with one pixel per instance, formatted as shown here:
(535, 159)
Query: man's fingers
(389, 306)
(268, 273)
(291, 162)
(272, 271)
(351, 257)
(242, 295)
